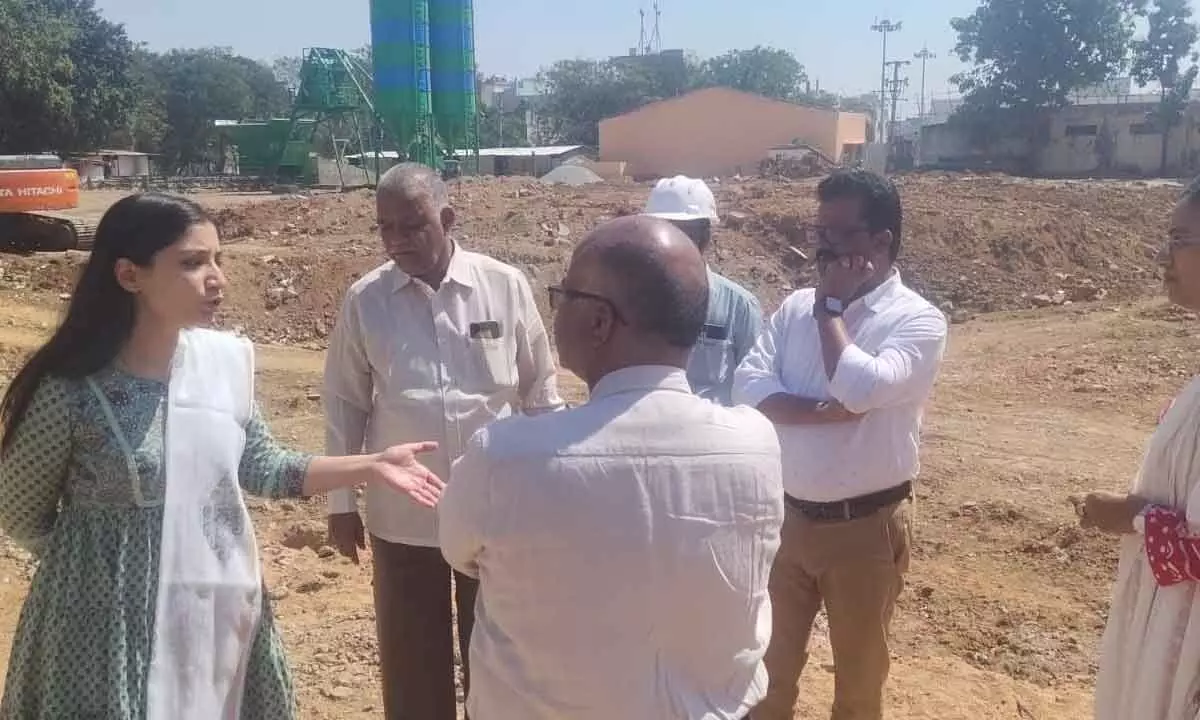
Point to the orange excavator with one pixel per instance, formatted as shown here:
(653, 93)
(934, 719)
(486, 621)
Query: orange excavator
(35, 192)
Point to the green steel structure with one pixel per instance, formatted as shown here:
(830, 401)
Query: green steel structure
(271, 148)
(418, 97)
(452, 36)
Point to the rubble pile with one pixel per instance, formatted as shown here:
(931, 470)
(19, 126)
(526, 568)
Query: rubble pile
(970, 243)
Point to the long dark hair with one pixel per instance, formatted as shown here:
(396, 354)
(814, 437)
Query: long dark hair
(100, 316)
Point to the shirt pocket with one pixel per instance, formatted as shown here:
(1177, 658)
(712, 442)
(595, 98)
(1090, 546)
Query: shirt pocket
(491, 364)
(711, 360)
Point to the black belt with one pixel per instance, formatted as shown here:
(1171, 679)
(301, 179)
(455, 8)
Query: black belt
(853, 508)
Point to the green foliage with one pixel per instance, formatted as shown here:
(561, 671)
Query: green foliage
(1029, 55)
(1159, 58)
(200, 86)
(64, 76)
(761, 70)
(503, 128)
(581, 93)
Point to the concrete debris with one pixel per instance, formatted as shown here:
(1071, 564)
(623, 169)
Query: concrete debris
(571, 175)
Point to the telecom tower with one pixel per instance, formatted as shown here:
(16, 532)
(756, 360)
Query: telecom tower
(656, 37)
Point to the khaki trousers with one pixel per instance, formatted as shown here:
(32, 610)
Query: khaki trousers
(415, 628)
(856, 568)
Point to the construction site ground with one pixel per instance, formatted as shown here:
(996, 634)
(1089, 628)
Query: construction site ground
(1060, 357)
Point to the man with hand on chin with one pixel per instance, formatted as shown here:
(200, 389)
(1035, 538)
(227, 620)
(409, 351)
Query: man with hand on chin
(844, 371)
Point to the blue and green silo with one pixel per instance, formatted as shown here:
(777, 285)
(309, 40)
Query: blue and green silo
(423, 52)
(452, 35)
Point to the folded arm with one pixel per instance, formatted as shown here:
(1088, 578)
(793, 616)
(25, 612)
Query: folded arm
(902, 370)
(758, 381)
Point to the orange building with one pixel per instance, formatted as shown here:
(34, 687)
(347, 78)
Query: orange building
(720, 132)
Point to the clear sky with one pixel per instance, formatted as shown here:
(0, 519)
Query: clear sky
(516, 37)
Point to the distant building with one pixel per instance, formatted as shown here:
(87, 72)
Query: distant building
(101, 165)
(1088, 139)
(721, 131)
(534, 161)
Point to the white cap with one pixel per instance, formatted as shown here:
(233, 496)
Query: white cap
(682, 198)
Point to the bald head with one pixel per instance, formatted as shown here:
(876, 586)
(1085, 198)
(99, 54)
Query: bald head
(654, 273)
(414, 180)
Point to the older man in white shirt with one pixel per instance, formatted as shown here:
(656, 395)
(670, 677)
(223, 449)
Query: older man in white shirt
(623, 547)
(844, 372)
(432, 345)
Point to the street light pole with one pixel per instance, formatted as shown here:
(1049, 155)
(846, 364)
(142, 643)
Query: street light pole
(924, 56)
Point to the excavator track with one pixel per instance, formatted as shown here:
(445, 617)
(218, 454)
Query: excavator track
(45, 231)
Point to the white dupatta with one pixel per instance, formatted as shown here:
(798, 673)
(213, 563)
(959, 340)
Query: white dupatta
(1150, 654)
(210, 583)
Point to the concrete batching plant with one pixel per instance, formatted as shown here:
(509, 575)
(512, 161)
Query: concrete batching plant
(417, 98)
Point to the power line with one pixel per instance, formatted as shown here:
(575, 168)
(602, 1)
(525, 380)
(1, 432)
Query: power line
(895, 86)
(884, 27)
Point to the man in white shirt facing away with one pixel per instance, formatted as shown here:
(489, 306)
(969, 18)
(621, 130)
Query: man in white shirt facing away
(434, 344)
(624, 546)
(844, 371)
(734, 316)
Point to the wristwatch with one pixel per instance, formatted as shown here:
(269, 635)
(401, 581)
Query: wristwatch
(833, 306)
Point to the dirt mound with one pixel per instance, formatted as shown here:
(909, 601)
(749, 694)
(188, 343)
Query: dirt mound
(971, 243)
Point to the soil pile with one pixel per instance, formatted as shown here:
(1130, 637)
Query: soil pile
(970, 243)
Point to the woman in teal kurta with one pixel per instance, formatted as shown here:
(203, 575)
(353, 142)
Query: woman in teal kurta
(82, 487)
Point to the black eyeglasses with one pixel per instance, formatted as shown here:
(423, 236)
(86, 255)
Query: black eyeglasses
(560, 294)
(823, 235)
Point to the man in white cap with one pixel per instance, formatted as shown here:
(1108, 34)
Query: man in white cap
(734, 316)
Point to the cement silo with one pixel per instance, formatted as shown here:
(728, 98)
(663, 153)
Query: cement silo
(452, 40)
(403, 95)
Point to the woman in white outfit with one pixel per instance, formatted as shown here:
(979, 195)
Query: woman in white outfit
(128, 439)
(1150, 655)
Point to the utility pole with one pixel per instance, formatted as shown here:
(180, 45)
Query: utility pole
(656, 37)
(924, 56)
(895, 86)
(641, 46)
(884, 27)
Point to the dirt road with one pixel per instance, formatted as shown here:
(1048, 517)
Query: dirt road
(1006, 600)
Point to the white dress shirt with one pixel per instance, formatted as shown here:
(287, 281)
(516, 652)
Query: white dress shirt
(407, 363)
(623, 550)
(888, 373)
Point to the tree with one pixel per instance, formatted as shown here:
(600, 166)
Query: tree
(101, 85)
(503, 128)
(1029, 55)
(1159, 58)
(761, 70)
(580, 93)
(200, 86)
(287, 71)
(64, 76)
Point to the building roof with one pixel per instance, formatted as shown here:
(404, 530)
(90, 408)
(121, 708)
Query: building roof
(122, 153)
(729, 91)
(544, 151)
(541, 151)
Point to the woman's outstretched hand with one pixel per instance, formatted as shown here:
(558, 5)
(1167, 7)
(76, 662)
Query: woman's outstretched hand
(398, 468)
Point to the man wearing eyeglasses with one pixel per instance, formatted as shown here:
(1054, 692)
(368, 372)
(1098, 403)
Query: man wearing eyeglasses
(623, 547)
(734, 316)
(433, 344)
(844, 371)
